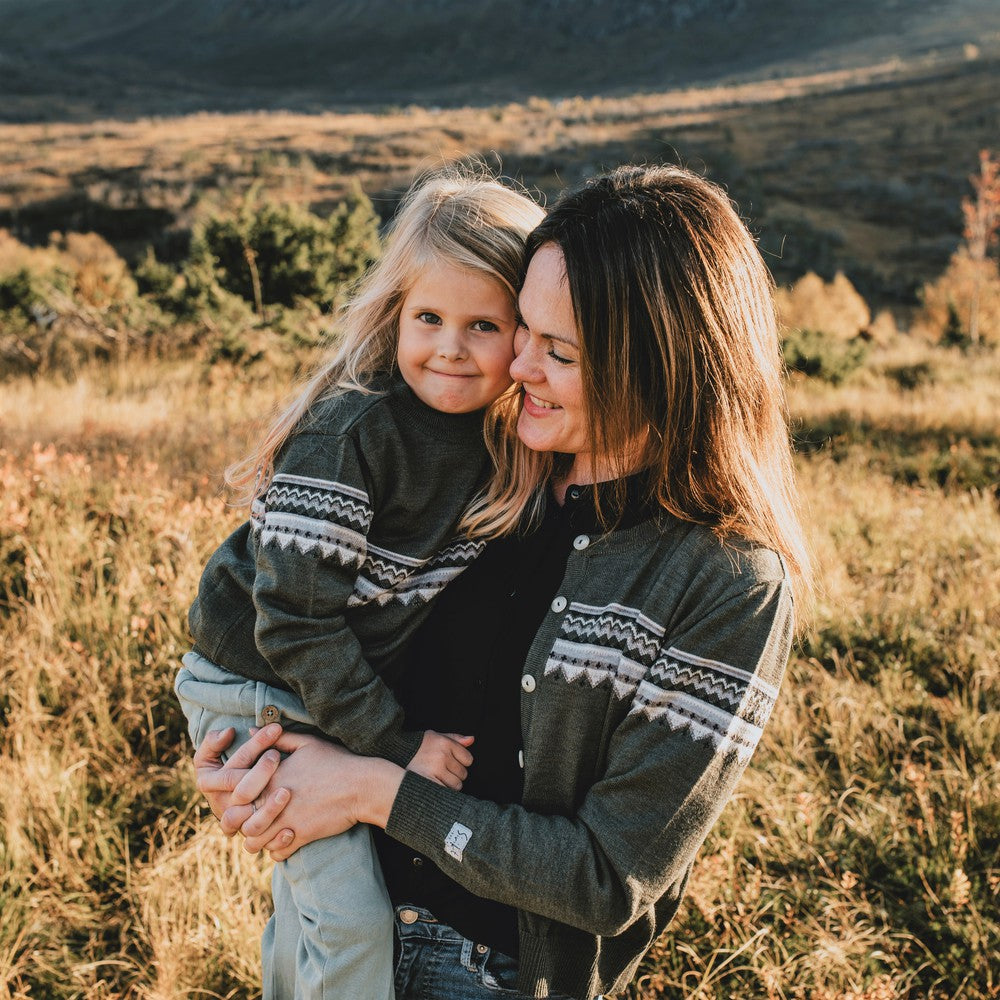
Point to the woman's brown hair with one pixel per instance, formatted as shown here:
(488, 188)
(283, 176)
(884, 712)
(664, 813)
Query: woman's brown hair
(679, 359)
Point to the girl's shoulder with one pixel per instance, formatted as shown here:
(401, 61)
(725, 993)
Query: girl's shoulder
(345, 410)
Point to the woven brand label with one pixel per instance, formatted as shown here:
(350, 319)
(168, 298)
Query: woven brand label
(454, 843)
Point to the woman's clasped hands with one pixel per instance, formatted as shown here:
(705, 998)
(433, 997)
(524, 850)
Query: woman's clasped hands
(279, 804)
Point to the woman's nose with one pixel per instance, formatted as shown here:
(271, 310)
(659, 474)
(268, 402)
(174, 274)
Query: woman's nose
(522, 367)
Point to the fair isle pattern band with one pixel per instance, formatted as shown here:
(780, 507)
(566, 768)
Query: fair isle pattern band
(386, 576)
(608, 644)
(315, 516)
(710, 699)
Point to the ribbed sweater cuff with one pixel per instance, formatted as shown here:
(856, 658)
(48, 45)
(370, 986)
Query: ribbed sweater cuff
(399, 748)
(423, 813)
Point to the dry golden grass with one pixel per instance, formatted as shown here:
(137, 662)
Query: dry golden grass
(859, 861)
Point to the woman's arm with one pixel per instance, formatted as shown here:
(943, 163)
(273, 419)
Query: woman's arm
(682, 739)
(633, 837)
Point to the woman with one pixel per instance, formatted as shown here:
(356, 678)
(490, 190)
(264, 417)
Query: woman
(634, 634)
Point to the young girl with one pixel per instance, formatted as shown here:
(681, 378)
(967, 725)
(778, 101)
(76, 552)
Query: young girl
(356, 494)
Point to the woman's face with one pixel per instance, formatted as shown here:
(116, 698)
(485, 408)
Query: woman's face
(547, 364)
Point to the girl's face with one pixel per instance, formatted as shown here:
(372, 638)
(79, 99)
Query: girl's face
(456, 338)
(553, 415)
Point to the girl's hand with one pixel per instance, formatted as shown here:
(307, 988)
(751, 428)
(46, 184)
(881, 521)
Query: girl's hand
(444, 758)
(330, 790)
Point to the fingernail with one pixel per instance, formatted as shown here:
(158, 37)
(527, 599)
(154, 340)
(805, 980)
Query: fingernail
(272, 757)
(281, 796)
(287, 836)
(272, 730)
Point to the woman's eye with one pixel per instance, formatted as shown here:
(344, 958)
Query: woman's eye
(559, 357)
(428, 317)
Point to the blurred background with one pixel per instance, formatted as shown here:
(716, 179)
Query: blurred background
(186, 192)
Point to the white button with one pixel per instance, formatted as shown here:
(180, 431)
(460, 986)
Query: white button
(559, 604)
(528, 683)
(409, 916)
(581, 542)
(481, 949)
(520, 759)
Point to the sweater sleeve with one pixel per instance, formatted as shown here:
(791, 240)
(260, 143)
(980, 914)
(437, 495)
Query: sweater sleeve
(686, 732)
(311, 530)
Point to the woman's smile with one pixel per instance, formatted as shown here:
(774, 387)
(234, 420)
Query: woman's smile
(533, 403)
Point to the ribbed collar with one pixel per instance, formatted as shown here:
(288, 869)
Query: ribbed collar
(458, 427)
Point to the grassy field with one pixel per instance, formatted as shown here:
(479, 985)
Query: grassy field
(860, 859)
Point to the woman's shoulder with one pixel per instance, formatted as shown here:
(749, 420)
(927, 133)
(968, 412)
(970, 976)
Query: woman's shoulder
(703, 556)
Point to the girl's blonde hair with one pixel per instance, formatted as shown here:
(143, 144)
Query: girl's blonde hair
(460, 216)
(679, 350)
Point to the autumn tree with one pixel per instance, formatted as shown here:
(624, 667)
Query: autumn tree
(981, 215)
(962, 306)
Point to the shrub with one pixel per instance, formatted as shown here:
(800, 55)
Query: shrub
(833, 307)
(70, 301)
(911, 376)
(273, 253)
(948, 302)
(154, 278)
(815, 353)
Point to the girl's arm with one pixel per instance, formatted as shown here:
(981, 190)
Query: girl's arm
(311, 541)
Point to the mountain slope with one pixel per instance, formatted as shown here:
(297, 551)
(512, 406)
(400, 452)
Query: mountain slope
(60, 58)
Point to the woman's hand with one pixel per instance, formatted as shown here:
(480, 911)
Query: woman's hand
(239, 781)
(321, 789)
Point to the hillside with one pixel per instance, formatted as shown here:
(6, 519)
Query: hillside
(111, 58)
(861, 170)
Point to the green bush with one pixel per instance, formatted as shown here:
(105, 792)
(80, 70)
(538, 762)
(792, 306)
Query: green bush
(819, 355)
(154, 278)
(275, 254)
(911, 376)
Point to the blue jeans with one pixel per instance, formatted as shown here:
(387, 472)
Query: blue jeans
(434, 962)
(330, 936)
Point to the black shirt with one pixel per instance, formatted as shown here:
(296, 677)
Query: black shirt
(461, 673)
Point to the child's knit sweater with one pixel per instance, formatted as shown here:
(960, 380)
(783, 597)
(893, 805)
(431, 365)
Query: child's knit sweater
(341, 558)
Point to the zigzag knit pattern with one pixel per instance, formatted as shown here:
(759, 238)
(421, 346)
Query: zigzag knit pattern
(609, 644)
(618, 646)
(710, 699)
(318, 517)
(387, 576)
(321, 500)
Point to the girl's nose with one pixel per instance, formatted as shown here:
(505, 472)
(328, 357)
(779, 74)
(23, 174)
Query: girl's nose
(451, 345)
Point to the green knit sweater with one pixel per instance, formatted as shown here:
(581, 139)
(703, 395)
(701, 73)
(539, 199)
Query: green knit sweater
(341, 558)
(642, 699)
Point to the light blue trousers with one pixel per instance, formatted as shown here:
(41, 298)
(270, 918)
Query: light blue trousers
(330, 936)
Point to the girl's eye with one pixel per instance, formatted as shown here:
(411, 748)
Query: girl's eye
(484, 326)
(558, 357)
(428, 317)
